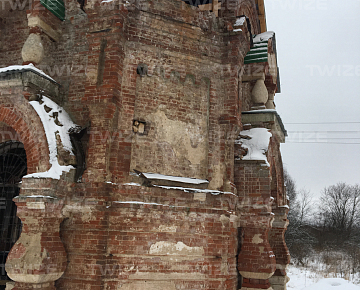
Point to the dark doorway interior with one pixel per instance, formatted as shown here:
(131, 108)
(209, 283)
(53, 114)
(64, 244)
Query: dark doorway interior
(12, 168)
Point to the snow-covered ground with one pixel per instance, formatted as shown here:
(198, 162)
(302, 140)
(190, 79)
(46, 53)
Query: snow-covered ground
(308, 278)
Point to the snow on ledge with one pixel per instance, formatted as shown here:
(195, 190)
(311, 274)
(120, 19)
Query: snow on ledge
(260, 111)
(38, 196)
(175, 178)
(193, 190)
(25, 67)
(265, 36)
(51, 129)
(164, 205)
(240, 21)
(256, 140)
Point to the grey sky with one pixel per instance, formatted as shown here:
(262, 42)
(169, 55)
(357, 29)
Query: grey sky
(318, 46)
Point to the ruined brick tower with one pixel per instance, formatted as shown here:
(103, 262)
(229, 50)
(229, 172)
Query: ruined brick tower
(140, 146)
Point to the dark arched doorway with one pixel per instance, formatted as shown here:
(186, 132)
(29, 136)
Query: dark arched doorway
(13, 166)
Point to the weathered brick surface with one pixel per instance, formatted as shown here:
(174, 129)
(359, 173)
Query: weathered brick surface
(190, 100)
(17, 113)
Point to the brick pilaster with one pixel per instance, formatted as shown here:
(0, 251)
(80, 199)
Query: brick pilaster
(38, 258)
(277, 242)
(256, 260)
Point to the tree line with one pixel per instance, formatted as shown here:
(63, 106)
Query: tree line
(331, 224)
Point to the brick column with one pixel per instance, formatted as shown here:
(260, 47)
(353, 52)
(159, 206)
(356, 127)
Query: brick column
(277, 241)
(38, 258)
(256, 260)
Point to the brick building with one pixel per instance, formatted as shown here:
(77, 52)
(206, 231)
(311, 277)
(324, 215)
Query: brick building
(140, 143)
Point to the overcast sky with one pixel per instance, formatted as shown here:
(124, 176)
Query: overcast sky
(318, 47)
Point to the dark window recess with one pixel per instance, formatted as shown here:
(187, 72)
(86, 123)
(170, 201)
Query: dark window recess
(142, 69)
(12, 168)
(197, 2)
(82, 4)
(79, 138)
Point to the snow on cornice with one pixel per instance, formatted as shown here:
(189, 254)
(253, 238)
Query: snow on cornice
(239, 22)
(256, 141)
(175, 178)
(28, 67)
(265, 36)
(64, 124)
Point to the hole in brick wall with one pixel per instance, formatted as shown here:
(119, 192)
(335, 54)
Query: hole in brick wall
(80, 139)
(139, 127)
(82, 4)
(206, 5)
(142, 69)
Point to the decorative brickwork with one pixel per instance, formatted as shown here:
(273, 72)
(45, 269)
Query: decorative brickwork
(146, 86)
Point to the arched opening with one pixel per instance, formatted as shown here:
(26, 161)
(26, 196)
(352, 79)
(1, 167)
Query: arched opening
(13, 166)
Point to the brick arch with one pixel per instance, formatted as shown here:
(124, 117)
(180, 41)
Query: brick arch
(32, 134)
(248, 8)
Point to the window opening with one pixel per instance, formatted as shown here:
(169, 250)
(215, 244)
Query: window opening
(197, 2)
(13, 166)
(211, 5)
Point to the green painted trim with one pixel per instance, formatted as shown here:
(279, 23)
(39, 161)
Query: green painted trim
(56, 7)
(259, 53)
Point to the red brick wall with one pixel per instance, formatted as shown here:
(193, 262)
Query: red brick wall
(108, 243)
(17, 113)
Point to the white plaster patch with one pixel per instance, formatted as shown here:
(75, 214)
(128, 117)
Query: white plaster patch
(172, 249)
(35, 205)
(234, 218)
(201, 196)
(224, 220)
(257, 239)
(168, 229)
(186, 139)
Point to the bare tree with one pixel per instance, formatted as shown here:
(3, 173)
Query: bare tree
(298, 236)
(290, 186)
(304, 202)
(340, 212)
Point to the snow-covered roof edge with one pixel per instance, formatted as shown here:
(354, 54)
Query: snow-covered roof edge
(28, 67)
(265, 36)
(175, 178)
